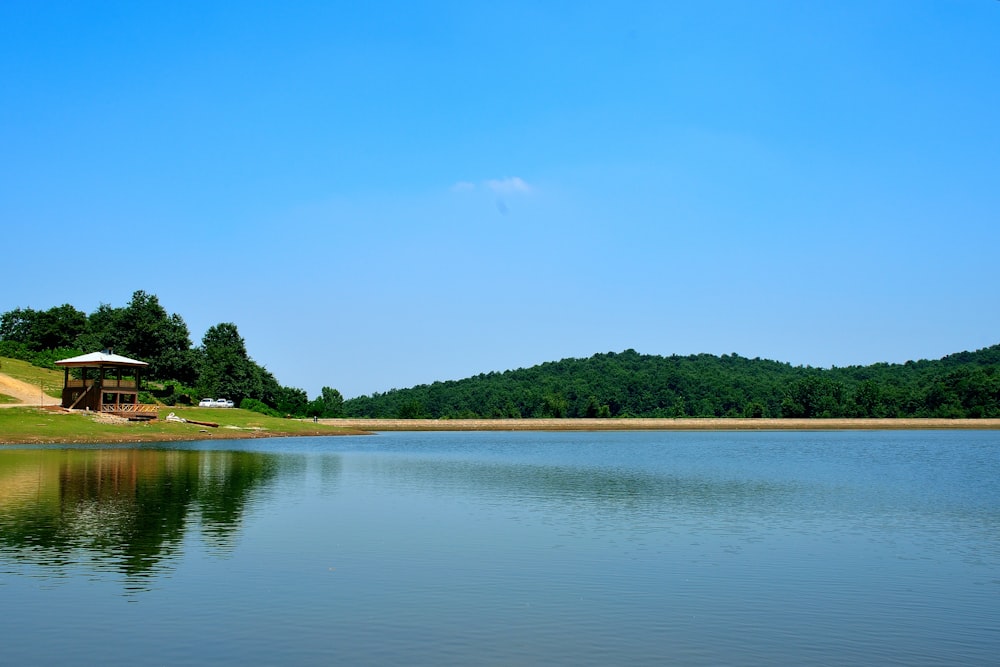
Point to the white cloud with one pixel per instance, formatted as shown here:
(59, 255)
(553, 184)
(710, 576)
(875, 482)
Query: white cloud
(506, 186)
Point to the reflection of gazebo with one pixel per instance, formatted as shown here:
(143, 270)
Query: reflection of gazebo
(107, 383)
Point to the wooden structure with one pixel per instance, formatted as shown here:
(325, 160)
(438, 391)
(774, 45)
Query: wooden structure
(105, 382)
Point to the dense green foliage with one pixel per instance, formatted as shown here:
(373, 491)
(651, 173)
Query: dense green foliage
(626, 384)
(219, 367)
(629, 384)
(257, 406)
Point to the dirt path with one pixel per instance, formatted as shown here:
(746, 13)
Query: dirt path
(26, 393)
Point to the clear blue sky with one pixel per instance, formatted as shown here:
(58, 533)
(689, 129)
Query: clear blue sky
(386, 194)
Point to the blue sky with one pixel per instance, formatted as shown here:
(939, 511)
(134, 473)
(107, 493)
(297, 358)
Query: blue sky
(386, 194)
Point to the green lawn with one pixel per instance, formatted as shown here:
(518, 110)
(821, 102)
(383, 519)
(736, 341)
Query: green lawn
(34, 425)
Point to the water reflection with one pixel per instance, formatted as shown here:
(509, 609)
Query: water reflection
(591, 489)
(122, 509)
(851, 548)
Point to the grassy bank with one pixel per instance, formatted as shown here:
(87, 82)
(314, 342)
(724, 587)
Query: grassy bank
(32, 425)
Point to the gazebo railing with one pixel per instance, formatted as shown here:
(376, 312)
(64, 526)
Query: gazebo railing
(106, 384)
(137, 408)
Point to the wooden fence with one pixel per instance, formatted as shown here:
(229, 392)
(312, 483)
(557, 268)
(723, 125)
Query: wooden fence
(133, 408)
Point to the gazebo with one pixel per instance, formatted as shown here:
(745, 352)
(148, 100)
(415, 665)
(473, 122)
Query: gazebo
(105, 382)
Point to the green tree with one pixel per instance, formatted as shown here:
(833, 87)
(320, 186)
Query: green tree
(293, 401)
(225, 368)
(333, 403)
(814, 396)
(16, 326)
(411, 410)
(270, 390)
(554, 405)
(57, 327)
(148, 332)
(868, 400)
(145, 331)
(101, 332)
(329, 405)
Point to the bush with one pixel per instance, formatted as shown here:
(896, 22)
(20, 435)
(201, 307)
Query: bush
(166, 392)
(259, 406)
(172, 392)
(42, 358)
(48, 358)
(14, 350)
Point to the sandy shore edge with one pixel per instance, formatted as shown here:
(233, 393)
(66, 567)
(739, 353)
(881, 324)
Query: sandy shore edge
(643, 424)
(136, 434)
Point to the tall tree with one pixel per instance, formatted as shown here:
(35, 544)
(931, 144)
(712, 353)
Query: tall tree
(331, 403)
(144, 330)
(225, 367)
(60, 327)
(57, 327)
(15, 325)
(293, 401)
(101, 330)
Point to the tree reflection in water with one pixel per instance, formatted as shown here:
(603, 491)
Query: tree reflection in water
(122, 509)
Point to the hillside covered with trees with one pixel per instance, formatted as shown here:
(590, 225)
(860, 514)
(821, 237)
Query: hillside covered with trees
(624, 384)
(179, 371)
(629, 384)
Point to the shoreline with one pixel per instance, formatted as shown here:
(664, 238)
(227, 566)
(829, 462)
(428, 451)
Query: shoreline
(111, 432)
(664, 424)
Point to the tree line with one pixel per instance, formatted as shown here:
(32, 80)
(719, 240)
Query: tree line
(625, 384)
(629, 384)
(180, 371)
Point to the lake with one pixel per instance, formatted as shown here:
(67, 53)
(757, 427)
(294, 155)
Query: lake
(639, 548)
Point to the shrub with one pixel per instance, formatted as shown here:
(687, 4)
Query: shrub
(259, 406)
(41, 358)
(14, 350)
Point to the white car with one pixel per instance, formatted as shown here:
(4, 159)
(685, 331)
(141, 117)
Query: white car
(216, 403)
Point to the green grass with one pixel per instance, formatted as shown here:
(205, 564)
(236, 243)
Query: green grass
(34, 425)
(51, 381)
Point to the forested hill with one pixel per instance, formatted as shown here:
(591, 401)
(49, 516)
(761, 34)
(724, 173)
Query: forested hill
(629, 384)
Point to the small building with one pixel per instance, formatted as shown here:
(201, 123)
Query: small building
(105, 382)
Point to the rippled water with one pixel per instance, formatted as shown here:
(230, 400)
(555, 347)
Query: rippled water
(507, 548)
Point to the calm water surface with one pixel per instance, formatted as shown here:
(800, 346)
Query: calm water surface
(849, 548)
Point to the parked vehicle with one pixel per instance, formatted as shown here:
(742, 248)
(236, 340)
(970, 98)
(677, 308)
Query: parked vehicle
(216, 403)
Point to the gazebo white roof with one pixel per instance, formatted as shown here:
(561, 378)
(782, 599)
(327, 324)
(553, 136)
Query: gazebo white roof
(100, 359)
